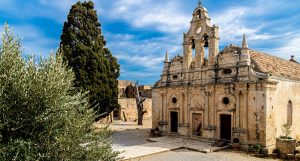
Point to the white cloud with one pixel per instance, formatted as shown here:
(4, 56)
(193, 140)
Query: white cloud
(164, 16)
(143, 61)
(34, 41)
(233, 24)
(59, 5)
(291, 47)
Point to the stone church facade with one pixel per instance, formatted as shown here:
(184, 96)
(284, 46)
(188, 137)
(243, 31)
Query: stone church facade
(234, 93)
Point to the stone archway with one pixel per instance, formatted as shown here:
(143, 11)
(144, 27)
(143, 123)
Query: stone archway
(130, 91)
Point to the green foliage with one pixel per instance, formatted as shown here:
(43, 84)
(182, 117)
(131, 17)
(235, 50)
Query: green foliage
(286, 130)
(83, 48)
(257, 147)
(41, 116)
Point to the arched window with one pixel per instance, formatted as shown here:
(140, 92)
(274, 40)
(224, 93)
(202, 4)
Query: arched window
(290, 113)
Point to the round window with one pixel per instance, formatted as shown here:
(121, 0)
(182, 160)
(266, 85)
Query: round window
(174, 100)
(226, 100)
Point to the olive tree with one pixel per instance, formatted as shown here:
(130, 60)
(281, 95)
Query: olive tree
(41, 116)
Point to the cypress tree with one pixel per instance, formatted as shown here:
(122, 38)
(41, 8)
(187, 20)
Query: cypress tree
(83, 48)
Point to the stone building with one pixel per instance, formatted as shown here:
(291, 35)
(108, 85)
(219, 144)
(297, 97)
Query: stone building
(233, 93)
(126, 99)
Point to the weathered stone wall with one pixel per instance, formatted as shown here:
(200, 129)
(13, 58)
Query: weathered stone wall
(278, 108)
(122, 85)
(156, 109)
(128, 106)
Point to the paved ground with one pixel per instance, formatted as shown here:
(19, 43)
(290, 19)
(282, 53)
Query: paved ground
(131, 140)
(188, 155)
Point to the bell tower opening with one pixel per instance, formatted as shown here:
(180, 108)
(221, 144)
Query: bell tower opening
(199, 14)
(193, 46)
(206, 47)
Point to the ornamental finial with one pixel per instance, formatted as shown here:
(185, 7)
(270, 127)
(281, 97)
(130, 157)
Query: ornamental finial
(244, 44)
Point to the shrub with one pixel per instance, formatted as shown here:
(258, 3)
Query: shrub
(286, 130)
(257, 147)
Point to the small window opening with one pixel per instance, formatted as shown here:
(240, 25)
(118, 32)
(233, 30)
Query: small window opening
(227, 71)
(175, 76)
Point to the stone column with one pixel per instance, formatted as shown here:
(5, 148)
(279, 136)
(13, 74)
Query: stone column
(182, 109)
(214, 112)
(206, 115)
(164, 106)
(188, 56)
(188, 102)
(245, 111)
(199, 56)
(161, 99)
(237, 111)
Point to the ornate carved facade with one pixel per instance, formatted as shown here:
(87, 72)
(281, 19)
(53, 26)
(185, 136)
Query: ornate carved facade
(234, 93)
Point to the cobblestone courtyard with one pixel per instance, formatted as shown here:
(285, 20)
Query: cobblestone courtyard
(131, 140)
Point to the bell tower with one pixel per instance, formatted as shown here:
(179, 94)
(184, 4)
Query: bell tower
(200, 39)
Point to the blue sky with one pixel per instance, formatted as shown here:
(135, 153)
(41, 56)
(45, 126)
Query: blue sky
(138, 32)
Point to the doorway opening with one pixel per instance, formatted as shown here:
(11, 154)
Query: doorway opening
(225, 127)
(197, 124)
(174, 121)
(117, 114)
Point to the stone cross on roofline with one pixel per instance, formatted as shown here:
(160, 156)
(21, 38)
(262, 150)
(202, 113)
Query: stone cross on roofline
(199, 3)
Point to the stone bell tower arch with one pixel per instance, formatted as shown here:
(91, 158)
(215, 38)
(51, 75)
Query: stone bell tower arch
(200, 37)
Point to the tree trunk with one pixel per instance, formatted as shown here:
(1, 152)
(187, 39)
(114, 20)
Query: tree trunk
(140, 108)
(141, 113)
(140, 117)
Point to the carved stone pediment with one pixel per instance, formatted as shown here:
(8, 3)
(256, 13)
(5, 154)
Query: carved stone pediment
(229, 50)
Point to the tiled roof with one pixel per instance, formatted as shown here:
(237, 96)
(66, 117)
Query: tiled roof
(275, 65)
